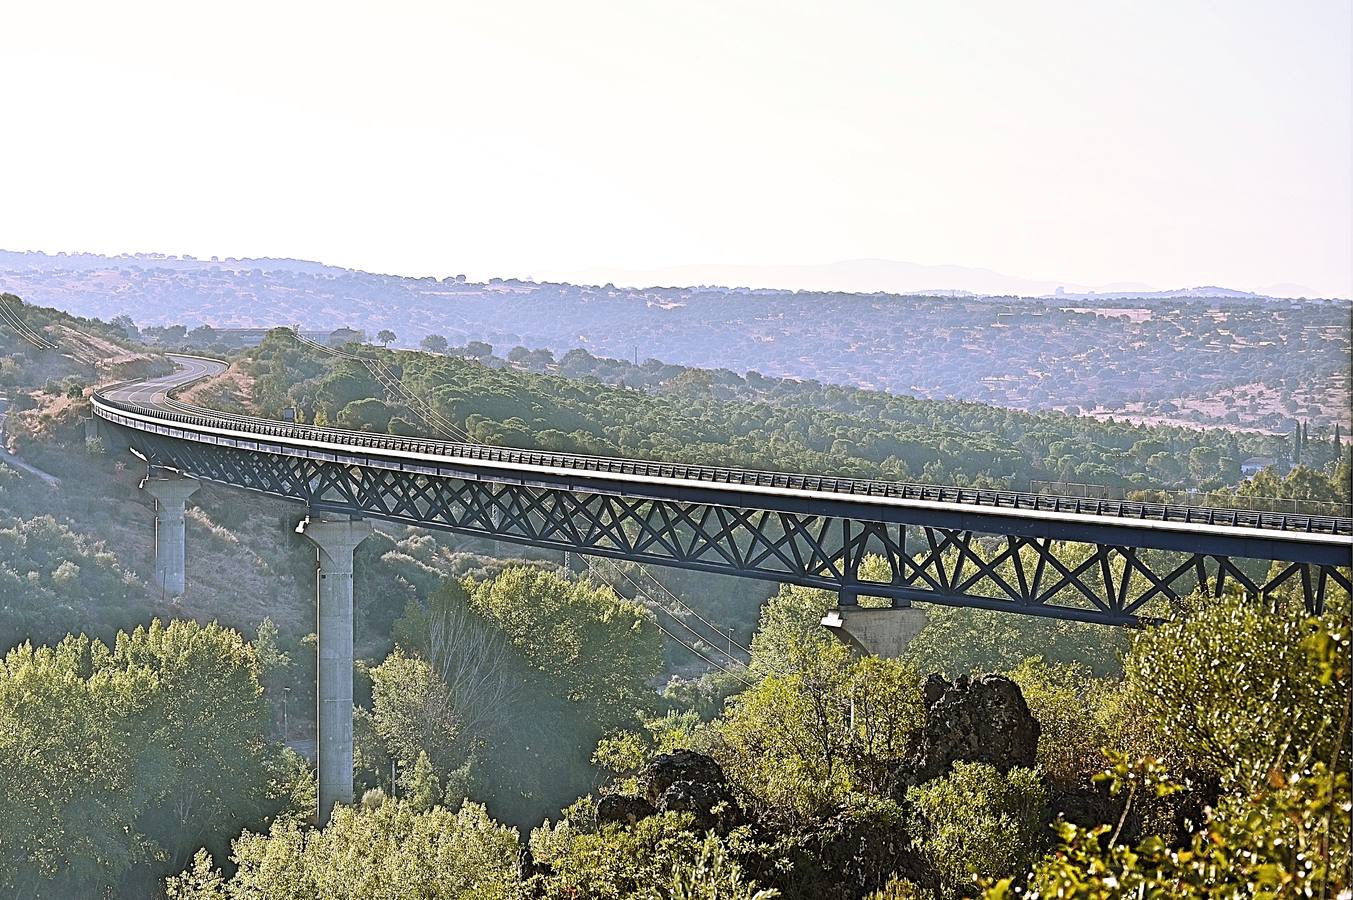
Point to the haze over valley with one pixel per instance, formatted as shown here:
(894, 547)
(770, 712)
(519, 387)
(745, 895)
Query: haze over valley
(1205, 357)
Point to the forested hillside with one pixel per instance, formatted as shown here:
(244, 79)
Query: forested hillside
(1226, 361)
(720, 418)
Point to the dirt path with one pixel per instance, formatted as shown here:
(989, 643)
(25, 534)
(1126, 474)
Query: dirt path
(12, 460)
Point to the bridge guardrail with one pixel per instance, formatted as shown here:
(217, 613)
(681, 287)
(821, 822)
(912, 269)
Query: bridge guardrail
(1194, 497)
(977, 497)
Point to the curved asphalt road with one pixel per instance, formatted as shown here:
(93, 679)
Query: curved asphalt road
(153, 391)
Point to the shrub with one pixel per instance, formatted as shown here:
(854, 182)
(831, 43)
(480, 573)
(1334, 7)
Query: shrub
(976, 822)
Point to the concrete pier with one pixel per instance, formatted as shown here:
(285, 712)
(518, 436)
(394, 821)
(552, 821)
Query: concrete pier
(872, 631)
(335, 537)
(171, 493)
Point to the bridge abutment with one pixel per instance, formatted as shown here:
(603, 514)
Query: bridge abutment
(171, 493)
(335, 538)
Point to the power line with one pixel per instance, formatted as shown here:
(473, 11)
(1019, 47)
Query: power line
(395, 387)
(724, 669)
(678, 620)
(692, 610)
(24, 331)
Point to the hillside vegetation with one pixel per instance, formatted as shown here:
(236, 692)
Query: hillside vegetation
(582, 404)
(88, 351)
(1227, 361)
(825, 777)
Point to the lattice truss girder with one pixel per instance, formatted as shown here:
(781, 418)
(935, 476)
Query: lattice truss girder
(1038, 576)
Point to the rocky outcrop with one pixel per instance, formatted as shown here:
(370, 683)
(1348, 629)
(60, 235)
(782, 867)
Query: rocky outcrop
(681, 782)
(983, 719)
(621, 809)
(855, 851)
(668, 769)
(690, 782)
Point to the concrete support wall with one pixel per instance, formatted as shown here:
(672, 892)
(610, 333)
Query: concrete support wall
(336, 538)
(171, 493)
(875, 632)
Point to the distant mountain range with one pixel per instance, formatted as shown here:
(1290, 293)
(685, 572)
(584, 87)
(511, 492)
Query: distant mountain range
(867, 276)
(1159, 355)
(859, 276)
(37, 261)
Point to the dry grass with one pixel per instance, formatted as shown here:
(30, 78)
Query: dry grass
(231, 391)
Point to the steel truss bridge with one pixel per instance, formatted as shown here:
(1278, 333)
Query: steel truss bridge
(1090, 560)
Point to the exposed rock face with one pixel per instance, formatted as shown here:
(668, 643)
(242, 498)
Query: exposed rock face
(668, 769)
(686, 781)
(622, 810)
(855, 851)
(983, 719)
(1173, 818)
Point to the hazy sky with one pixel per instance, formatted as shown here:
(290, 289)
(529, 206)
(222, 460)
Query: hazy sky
(1176, 143)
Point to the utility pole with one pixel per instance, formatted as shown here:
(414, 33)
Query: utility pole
(286, 732)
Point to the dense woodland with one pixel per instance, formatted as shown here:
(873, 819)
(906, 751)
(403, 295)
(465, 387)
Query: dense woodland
(656, 411)
(526, 730)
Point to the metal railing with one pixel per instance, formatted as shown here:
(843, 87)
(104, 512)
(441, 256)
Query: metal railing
(195, 417)
(1220, 498)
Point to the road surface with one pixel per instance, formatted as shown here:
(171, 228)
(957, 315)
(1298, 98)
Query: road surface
(153, 391)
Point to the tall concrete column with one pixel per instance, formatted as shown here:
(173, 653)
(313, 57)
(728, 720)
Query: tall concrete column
(336, 537)
(171, 493)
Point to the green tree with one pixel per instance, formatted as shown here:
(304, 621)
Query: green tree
(958, 641)
(424, 788)
(369, 414)
(412, 712)
(660, 858)
(1206, 681)
(68, 803)
(434, 343)
(1066, 700)
(471, 655)
(122, 761)
(391, 849)
(790, 622)
(274, 664)
(202, 756)
(1287, 839)
(795, 745)
(977, 823)
(528, 670)
(385, 336)
(1280, 826)
(596, 648)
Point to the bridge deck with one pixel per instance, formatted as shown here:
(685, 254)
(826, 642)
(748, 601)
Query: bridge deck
(147, 405)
